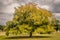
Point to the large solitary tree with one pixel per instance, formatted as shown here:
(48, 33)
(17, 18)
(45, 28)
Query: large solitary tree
(31, 19)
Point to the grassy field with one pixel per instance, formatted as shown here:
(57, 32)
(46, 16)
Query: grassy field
(54, 36)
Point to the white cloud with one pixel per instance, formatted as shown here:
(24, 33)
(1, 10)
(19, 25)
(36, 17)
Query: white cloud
(56, 1)
(5, 2)
(45, 7)
(10, 8)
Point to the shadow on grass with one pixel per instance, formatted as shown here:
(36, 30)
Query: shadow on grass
(21, 37)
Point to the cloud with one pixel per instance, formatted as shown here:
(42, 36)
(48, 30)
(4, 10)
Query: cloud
(7, 7)
(4, 17)
(10, 8)
(4, 4)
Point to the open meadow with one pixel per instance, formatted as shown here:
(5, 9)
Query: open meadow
(54, 36)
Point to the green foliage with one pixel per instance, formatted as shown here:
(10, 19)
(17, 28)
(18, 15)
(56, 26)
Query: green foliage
(31, 19)
(1, 27)
(57, 25)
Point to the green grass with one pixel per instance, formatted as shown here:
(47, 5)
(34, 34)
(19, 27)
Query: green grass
(55, 36)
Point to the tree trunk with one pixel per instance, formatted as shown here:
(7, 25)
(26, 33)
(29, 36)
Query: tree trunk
(30, 34)
(7, 33)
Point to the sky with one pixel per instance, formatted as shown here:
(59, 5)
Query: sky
(7, 7)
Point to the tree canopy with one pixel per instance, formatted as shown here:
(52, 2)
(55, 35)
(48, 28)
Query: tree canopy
(31, 19)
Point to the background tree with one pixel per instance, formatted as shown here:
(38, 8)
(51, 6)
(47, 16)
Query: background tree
(57, 25)
(31, 19)
(1, 27)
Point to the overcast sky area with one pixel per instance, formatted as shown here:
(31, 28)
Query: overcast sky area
(7, 7)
